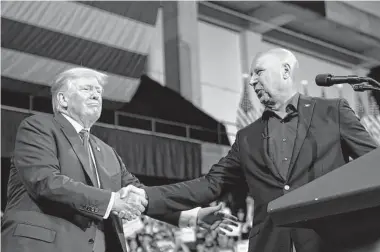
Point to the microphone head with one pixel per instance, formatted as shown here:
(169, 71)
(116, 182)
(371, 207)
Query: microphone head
(323, 80)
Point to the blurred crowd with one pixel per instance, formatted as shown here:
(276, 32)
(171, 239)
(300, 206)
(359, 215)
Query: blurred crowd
(149, 235)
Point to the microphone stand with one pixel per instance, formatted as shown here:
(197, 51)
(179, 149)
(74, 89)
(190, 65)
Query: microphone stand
(368, 84)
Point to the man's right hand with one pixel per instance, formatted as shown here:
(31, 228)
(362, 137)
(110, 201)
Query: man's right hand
(129, 202)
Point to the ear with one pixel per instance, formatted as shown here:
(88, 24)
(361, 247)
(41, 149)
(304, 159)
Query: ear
(286, 71)
(62, 99)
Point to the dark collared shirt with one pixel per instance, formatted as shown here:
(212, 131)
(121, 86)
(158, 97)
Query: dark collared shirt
(282, 135)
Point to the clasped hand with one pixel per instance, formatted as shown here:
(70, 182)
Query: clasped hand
(130, 202)
(213, 218)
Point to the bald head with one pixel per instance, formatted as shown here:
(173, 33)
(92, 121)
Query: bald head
(273, 74)
(281, 55)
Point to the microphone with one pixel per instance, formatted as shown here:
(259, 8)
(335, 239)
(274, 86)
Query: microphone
(327, 80)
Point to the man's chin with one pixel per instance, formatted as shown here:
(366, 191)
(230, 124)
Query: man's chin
(94, 116)
(264, 100)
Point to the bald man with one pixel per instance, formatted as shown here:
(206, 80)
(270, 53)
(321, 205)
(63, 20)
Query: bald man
(297, 139)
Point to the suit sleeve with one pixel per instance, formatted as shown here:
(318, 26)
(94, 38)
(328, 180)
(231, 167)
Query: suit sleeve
(129, 179)
(355, 137)
(198, 192)
(35, 158)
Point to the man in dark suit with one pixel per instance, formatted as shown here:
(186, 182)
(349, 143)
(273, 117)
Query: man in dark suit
(297, 140)
(68, 189)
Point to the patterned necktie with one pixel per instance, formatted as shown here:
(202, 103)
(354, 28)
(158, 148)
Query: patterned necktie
(85, 135)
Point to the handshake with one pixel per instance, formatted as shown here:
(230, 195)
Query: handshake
(130, 202)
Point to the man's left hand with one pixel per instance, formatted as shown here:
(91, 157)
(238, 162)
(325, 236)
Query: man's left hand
(212, 218)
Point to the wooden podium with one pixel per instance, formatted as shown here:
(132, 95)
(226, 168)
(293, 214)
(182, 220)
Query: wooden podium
(343, 206)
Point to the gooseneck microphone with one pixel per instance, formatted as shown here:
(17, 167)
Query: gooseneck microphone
(327, 80)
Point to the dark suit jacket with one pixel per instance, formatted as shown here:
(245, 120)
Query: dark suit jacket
(51, 198)
(328, 133)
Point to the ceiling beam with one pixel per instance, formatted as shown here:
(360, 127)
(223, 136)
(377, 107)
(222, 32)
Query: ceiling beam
(295, 34)
(274, 22)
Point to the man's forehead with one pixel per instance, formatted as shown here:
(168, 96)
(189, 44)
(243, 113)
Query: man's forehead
(262, 60)
(257, 63)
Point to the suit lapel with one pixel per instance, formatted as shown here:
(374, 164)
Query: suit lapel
(305, 110)
(104, 176)
(76, 143)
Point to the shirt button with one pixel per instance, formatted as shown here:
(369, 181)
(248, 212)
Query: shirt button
(284, 139)
(91, 241)
(286, 187)
(286, 159)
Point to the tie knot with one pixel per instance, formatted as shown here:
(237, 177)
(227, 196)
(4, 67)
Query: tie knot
(84, 134)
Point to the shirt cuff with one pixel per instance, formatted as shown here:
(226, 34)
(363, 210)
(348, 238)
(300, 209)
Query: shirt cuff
(188, 218)
(110, 204)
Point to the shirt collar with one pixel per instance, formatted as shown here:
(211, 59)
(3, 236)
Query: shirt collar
(294, 101)
(77, 126)
(291, 106)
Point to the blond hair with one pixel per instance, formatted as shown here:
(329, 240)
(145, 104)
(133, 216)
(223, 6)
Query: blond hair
(63, 81)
